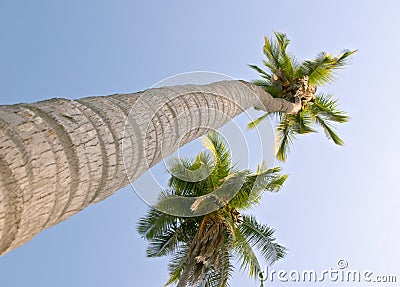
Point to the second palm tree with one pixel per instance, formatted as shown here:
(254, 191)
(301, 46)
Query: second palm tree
(202, 246)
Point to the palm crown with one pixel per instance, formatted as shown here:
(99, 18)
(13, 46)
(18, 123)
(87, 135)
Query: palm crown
(202, 247)
(293, 81)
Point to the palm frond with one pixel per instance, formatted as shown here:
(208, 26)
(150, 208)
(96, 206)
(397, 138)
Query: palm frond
(285, 135)
(190, 178)
(269, 179)
(327, 106)
(274, 91)
(329, 130)
(230, 187)
(222, 157)
(245, 254)
(177, 264)
(287, 63)
(255, 184)
(163, 244)
(254, 123)
(282, 40)
(321, 70)
(226, 269)
(263, 73)
(304, 122)
(155, 223)
(261, 237)
(277, 182)
(262, 83)
(271, 51)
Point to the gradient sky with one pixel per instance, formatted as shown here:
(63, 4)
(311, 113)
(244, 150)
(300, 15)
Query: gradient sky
(337, 203)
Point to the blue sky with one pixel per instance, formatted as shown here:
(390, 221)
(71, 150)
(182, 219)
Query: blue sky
(337, 203)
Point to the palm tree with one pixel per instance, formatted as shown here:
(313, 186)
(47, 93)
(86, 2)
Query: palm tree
(296, 82)
(203, 247)
(59, 156)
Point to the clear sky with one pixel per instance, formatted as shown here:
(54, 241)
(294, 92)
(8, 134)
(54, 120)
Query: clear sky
(338, 202)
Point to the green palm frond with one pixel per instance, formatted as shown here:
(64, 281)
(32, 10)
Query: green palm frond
(191, 178)
(222, 195)
(328, 107)
(255, 184)
(269, 179)
(245, 254)
(287, 63)
(222, 157)
(274, 91)
(321, 70)
(262, 83)
(304, 122)
(326, 113)
(177, 264)
(263, 73)
(282, 40)
(261, 237)
(226, 268)
(277, 182)
(254, 123)
(164, 243)
(285, 135)
(272, 51)
(329, 130)
(155, 223)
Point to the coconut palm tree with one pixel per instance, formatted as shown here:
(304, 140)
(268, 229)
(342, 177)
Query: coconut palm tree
(296, 82)
(202, 248)
(59, 156)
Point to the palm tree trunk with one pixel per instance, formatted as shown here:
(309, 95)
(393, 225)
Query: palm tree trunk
(59, 156)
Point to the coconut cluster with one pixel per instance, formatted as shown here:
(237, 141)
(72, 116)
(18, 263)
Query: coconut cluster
(300, 88)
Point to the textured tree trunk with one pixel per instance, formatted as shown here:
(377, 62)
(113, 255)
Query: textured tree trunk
(59, 156)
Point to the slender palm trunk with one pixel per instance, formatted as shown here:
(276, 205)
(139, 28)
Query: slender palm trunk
(59, 156)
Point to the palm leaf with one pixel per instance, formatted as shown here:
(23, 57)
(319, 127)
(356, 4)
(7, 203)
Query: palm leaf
(229, 188)
(263, 73)
(222, 157)
(286, 62)
(274, 91)
(155, 223)
(254, 123)
(245, 254)
(177, 264)
(304, 122)
(327, 106)
(321, 70)
(329, 130)
(261, 237)
(277, 182)
(163, 244)
(190, 178)
(285, 135)
(271, 51)
(255, 184)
